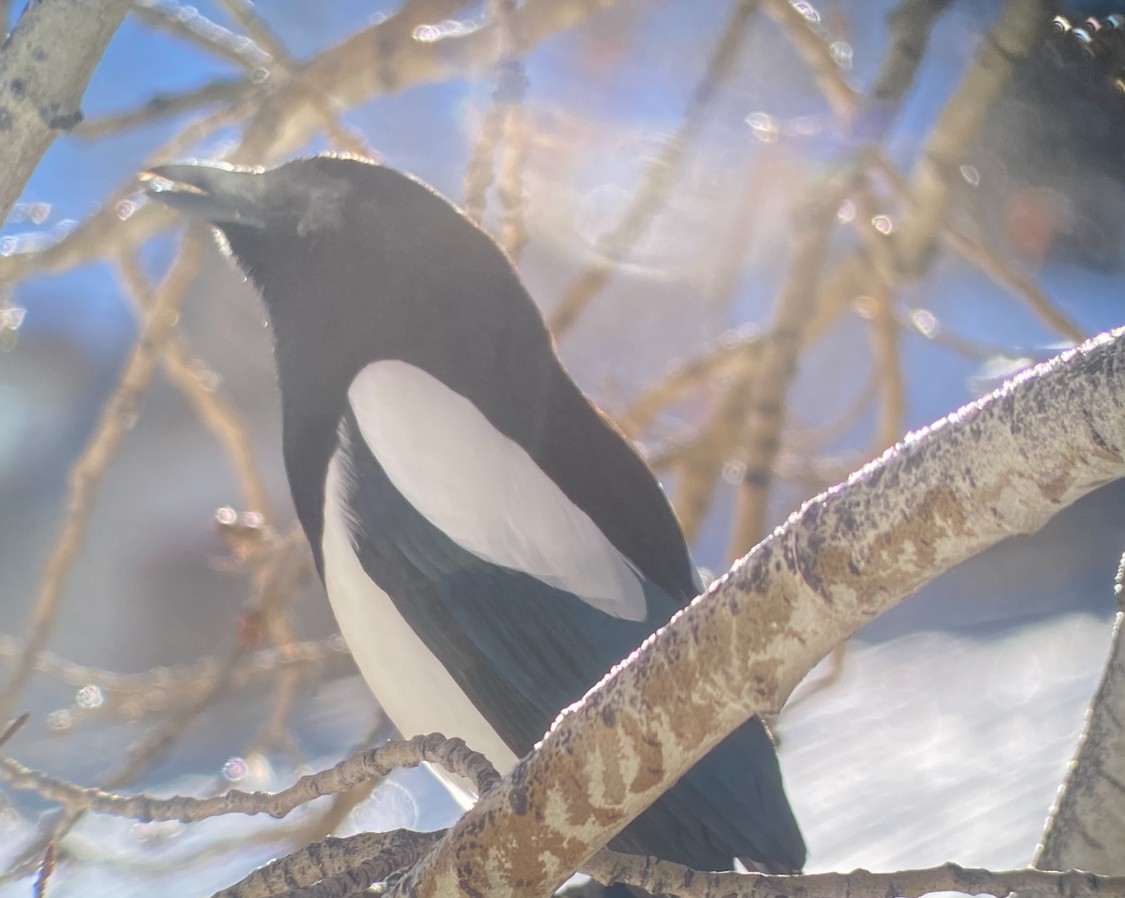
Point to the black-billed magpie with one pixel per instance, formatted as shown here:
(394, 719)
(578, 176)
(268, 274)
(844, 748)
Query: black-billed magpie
(490, 544)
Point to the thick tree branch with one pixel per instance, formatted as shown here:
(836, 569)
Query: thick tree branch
(998, 467)
(44, 67)
(662, 877)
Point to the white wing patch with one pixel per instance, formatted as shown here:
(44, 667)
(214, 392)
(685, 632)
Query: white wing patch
(483, 490)
(413, 686)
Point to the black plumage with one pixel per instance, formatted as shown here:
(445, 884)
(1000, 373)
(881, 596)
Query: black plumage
(365, 270)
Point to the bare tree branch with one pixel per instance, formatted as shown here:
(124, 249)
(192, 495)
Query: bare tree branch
(452, 754)
(331, 867)
(659, 176)
(664, 878)
(44, 67)
(1021, 25)
(998, 467)
(87, 472)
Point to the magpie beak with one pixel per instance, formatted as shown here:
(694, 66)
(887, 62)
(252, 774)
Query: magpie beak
(212, 192)
(490, 544)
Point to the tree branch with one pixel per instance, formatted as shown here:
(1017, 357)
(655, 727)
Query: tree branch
(998, 467)
(665, 878)
(45, 66)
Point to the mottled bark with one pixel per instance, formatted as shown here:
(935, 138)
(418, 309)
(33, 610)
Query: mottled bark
(999, 467)
(45, 65)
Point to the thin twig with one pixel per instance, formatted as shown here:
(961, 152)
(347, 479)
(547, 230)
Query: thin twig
(1021, 25)
(87, 473)
(660, 175)
(199, 386)
(878, 308)
(910, 24)
(700, 465)
(841, 96)
(382, 59)
(778, 363)
(163, 106)
(274, 585)
(504, 125)
(14, 727)
(46, 869)
(161, 689)
(190, 25)
(344, 137)
(1000, 270)
(720, 360)
(451, 754)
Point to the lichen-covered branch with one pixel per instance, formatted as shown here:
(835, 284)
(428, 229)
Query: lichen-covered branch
(331, 867)
(999, 467)
(662, 877)
(44, 67)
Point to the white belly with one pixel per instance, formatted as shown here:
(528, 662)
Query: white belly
(414, 688)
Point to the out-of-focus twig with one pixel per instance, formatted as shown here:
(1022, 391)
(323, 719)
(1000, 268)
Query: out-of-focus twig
(188, 24)
(119, 222)
(162, 689)
(197, 385)
(910, 24)
(510, 184)
(700, 464)
(87, 472)
(1001, 271)
(275, 585)
(778, 362)
(713, 363)
(503, 124)
(399, 52)
(46, 870)
(878, 308)
(659, 176)
(14, 727)
(163, 106)
(384, 58)
(282, 61)
(888, 363)
(841, 96)
(1021, 26)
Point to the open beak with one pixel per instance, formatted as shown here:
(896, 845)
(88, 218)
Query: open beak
(209, 191)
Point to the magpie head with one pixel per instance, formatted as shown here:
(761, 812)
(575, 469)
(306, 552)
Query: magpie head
(306, 198)
(356, 261)
(348, 228)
